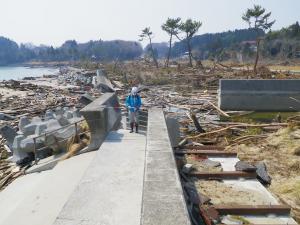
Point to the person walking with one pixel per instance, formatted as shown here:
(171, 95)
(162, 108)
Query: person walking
(133, 104)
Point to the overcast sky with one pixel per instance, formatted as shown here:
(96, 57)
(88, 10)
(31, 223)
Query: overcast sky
(52, 22)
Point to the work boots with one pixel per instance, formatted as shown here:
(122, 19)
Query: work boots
(131, 127)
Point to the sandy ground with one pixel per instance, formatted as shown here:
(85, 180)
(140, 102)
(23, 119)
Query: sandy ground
(199, 166)
(49, 82)
(221, 193)
(7, 92)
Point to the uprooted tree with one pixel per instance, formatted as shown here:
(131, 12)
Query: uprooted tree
(190, 28)
(171, 26)
(147, 34)
(257, 18)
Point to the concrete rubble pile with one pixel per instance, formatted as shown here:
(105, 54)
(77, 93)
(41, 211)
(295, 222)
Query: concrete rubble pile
(29, 109)
(96, 79)
(23, 142)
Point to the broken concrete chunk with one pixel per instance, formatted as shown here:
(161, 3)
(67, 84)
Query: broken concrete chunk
(103, 83)
(49, 115)
(262, 173)
(62, 120)
(211, 163)
(23, 143)
(29, 129)
(86, 99)
(6, 117)
(9, 134)
(244, 166)
(23, 122)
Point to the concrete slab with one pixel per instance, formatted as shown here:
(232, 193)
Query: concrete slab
(256, 186)
(45, 193)
(118, 184)
(259, 95)
(226, 162)
(111, 190)
(45, 164)
(163, 201)
(164, 213)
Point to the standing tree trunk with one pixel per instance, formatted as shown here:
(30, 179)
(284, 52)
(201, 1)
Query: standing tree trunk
(190, 52)
(169, 52)
(152, 52)
(257, 54)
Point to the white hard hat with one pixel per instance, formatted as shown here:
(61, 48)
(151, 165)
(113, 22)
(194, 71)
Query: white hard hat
(134, 90)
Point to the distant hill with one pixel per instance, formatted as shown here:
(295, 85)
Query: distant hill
(207, 45)
(160, 49)
(283, 44)
(11, 53)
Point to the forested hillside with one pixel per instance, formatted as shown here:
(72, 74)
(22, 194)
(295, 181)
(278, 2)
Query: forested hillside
(282, 44)
(11, 53)
(207, 45)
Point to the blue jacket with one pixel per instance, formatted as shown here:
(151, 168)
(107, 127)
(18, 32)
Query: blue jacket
(133, 102)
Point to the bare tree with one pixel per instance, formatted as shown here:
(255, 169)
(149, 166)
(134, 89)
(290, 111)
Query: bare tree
(257, 18)
(171, 26)
(146, 33)
(190, 28)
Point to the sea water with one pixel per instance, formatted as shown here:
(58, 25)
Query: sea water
(19, 72)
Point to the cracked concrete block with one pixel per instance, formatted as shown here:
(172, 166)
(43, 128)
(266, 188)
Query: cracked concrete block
(41, 128)
(68, 114)
(17, 153)
(9, 134)
(29, 129)
(6, 117)
(23, 122)
(27, 144)
(62, 120)
(49, 115)
(58, 111)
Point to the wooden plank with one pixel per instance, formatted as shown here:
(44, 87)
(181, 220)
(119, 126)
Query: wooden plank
(207, 153)
(253, 209)
(205, 147)
(223, 175)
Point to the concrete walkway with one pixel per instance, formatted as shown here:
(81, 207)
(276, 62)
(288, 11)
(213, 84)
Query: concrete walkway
(110, 192)
(131, 180)
(37, 198)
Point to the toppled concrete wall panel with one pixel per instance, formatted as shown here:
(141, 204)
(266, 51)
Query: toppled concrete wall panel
(102, 116)
(260, 95)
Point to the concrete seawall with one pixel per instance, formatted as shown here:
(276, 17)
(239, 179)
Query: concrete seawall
(260, 95)
(163, 200)
(102, 116)
(131, 180)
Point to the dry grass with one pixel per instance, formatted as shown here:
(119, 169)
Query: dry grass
(234, 195)
(285, 68)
